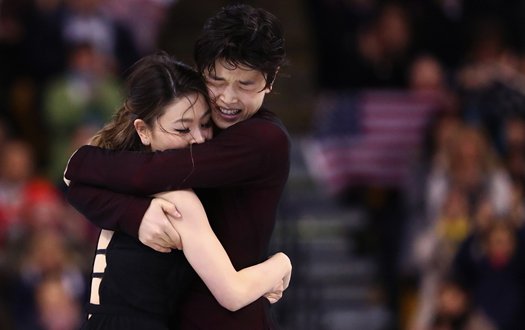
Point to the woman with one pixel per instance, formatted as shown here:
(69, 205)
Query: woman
(133, 286)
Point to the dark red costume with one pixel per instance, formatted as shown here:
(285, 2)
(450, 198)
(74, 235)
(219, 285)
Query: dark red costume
(239, 176)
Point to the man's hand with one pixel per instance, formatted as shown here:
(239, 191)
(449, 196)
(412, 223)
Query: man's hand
(156, 229)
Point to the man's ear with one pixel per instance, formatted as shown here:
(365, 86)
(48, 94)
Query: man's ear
(143, 131)
(269, 89)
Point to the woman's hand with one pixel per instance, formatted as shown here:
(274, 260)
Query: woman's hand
(156, 229)
(276, 293)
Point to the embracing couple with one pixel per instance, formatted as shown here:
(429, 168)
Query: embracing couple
(186, 222)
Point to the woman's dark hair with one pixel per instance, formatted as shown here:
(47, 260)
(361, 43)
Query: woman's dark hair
(242, 35)
(153, 83)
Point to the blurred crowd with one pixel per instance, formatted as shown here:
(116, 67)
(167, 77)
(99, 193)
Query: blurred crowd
(453, 226)
(450, 233)
(61, 69)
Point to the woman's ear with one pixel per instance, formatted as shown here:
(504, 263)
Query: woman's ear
(143, 131)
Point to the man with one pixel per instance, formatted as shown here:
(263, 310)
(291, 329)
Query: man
(239, 175)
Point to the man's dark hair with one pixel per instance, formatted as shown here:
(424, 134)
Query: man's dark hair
(242, 35)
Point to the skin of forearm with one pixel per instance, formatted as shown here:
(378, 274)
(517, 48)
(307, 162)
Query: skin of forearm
(232, 289)
(255, 281)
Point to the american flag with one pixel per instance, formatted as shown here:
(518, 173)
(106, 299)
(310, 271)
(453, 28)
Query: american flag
(368, 138)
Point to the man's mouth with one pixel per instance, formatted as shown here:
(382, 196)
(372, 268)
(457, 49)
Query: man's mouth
(229, 112)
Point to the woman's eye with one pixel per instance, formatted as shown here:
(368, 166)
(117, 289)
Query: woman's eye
(206, 125)
(214, 82)
(182, 131)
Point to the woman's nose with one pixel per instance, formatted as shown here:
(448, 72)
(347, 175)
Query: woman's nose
(198, 136)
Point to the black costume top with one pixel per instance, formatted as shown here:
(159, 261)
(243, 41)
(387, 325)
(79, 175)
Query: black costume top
(132, 282)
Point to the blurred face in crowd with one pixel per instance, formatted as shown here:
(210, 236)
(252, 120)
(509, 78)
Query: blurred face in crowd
(500, 245)
(17, 162)
(185, 121)
(57, 308)
(426, 74)
(452, 300)
(238, 92)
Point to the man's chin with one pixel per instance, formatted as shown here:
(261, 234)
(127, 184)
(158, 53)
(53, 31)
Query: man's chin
(224, 123)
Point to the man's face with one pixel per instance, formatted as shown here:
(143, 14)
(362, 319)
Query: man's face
(237, 92)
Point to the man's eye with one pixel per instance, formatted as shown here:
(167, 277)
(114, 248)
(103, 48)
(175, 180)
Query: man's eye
(249, 87)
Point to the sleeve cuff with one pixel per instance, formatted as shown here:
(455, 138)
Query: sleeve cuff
(133, 216)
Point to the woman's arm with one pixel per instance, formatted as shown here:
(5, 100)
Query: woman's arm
(102, 177)
(232, 289)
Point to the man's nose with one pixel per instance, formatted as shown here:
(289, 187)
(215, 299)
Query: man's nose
(228, 95)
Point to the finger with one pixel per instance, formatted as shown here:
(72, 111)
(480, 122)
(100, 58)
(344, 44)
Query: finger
(159, 248)
(270, 296)
(279, 287)
(271, 300)
(172, 235)
(164, 241)
(274, 294)
(170, 209)
(276, 299)
(286, 280)
(158, 242)
(173, 239)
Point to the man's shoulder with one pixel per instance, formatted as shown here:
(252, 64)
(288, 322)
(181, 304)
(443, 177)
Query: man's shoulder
(265, 120)
(266, 114)
(263, 129)
(267, 124)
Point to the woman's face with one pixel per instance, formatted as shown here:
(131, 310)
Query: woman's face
(184, 122)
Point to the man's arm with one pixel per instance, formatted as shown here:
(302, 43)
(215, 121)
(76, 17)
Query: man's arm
(249, 151)
(108, 210)
(119, 212)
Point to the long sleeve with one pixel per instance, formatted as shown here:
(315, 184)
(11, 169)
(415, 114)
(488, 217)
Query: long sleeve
(107, 209)
(250, 151)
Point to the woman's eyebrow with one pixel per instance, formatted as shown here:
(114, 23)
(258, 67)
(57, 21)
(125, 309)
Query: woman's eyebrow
(183, 120)
(215, 76)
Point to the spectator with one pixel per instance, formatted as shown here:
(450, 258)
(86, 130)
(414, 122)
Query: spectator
(85, 22)
(17, 179)
(454, 310)
(56, 307)
(77, 104)
(490, 266)
(435, 250)
(470, 165)
(46, 255)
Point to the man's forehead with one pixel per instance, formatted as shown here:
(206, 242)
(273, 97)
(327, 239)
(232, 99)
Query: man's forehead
(223, 68)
